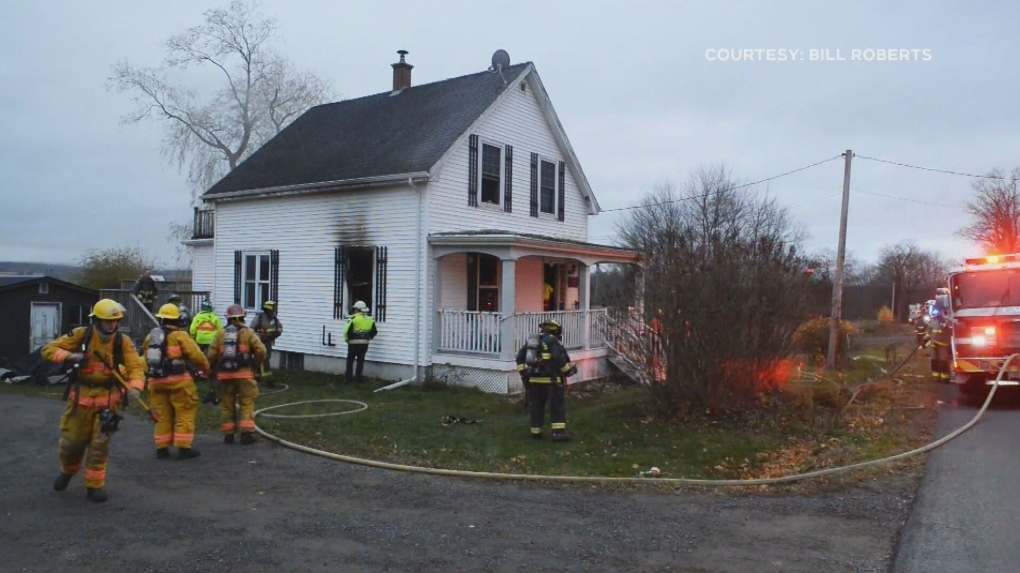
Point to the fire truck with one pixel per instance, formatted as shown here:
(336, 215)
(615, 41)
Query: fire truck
(984, 304)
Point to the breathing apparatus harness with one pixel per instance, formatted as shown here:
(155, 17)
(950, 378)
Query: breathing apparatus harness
(108, 419)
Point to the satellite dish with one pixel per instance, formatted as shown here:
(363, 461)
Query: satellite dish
(500, 60)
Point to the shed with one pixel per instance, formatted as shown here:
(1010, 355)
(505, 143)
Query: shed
(35, 309)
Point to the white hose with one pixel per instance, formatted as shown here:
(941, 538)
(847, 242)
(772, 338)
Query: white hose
(606, 479)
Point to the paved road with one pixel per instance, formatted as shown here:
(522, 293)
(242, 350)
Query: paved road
(966, 516)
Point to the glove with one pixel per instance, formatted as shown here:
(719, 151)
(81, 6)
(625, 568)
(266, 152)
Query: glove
(75, 357)
(135, 393)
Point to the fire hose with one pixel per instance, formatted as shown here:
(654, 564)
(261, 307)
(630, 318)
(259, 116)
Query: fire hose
(608, 479)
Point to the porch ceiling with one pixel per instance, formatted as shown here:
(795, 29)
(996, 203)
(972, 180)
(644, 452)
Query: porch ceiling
(526, 244)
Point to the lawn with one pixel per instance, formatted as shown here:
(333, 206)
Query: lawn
(614, 435)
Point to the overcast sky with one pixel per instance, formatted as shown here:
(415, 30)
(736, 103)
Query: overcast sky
(638, 85)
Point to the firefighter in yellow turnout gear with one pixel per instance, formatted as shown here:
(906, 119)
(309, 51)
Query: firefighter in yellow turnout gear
(172, 394)
(233, 353)
(94, 395)
(940, 336)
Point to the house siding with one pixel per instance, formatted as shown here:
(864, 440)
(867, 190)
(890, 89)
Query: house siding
(529, 285)
(203, 269)
(306, 230)
(516, 120)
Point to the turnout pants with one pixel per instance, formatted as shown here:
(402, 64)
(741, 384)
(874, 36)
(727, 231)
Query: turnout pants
(177, 410)
(355, 352)
(242, 416)
(940, 363)
(79, 432)
(538, 394)
(264, 370)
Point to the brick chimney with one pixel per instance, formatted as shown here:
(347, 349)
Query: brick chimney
(401, 72)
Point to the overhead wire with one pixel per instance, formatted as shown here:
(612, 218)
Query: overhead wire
(741, 186)
(935, 170)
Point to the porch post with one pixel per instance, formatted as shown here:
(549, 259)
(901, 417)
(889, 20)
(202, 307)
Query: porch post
(584, 300)
(437, 320)
(507, 304)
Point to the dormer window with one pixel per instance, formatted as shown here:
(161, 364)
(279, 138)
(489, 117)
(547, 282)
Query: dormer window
(491, 173)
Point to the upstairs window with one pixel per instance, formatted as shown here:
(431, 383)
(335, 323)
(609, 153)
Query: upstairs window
(547, 187)
(491, 173)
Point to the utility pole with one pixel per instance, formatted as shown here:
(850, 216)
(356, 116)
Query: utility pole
(837, 288)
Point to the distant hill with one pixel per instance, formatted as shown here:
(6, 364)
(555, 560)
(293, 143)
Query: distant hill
(63, 272)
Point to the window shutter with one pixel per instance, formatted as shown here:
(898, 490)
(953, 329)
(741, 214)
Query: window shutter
(534, 185)
(274, 272)
(339, 257)
(381, 259)
(472, 282)
(237, 277)
(508, 184)
(473, 171)
(562, 191)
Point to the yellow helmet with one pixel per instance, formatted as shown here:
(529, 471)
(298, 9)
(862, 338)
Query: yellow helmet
(107, 309)
(170, 311)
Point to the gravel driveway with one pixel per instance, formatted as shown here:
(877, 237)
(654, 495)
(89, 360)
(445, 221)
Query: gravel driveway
(267, 508)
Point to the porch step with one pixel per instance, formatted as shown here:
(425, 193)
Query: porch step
(626, 366)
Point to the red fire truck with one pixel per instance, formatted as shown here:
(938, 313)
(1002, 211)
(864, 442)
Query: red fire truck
(984, 302)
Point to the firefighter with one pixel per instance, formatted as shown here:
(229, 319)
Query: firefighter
(360, 330)
(234, 352)
(93, 394)
(204, 326)
(921, 321)
(185, 320)
(268, 326)
(145, 289)
(940, 336)
(547, 372)
(172, 358)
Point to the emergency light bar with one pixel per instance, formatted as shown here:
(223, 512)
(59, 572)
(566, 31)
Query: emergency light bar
(992, 259)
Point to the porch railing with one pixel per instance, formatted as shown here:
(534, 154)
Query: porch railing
(482, 332)
(205, 223)
(138, 320)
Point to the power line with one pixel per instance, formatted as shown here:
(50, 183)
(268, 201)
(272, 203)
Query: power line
(734, 187)
(922, 202)
(946, 171)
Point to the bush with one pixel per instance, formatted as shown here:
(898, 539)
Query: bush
(812, 338)
(886, 320)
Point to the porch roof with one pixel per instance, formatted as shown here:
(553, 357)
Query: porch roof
(542, 243)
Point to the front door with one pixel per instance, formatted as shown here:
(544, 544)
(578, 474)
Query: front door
(45, 323)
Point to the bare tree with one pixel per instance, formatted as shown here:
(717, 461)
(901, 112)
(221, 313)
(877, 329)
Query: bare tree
(996, 210)
(911, 272)
(259, 95)
(728, 290)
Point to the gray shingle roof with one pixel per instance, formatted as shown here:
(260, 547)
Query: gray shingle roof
(376, 135)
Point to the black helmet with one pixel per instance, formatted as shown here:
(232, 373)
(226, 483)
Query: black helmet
(550, 325)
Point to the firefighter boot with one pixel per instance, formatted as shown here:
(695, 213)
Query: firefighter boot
(162, 453)
(247, 438)
(96, 494)
(60, 484)
(560, 436)
(228, 439)
(187, 453)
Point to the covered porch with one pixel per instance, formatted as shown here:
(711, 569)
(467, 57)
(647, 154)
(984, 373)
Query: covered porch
(493, 288)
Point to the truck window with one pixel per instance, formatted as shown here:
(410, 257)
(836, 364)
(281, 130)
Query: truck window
(986, 289)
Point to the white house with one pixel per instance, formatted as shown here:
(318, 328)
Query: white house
(445, 207)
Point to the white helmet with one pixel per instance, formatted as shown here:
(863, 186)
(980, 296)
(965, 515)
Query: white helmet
(361, 306)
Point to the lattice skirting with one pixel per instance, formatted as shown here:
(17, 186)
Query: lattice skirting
(499, 382)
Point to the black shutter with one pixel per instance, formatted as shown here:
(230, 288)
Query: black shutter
(380, 283)
(472, 272)
(237, 277)
(562, 191)
(534, 185)
(473, 171)
(508, 184)
(339, 257)
(274, 272)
